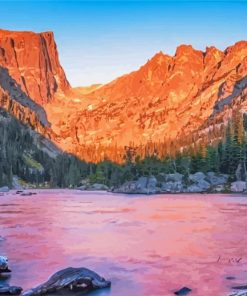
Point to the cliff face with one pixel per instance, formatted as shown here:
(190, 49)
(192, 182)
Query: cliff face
(167, 99)
(32, 61)
(30, 77)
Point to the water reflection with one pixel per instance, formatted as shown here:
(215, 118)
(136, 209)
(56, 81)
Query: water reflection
(145, 245)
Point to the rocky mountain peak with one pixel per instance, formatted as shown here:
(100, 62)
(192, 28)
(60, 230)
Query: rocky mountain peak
(32, 61)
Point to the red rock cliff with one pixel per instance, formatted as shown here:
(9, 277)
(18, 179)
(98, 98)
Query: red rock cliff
(32, 61)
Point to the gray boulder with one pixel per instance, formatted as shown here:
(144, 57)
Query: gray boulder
(144, 185)
(175, 187)
(176, 177)
(200, 186)
(4, 264)
(197, 177)
(4, 189)
(238, 186)
(214, 179)
(10, 290)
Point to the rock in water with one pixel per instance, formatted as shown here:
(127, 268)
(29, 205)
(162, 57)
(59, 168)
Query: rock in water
(4, 189)
(73, 279)
(4, 264)
(182, 292)
(10, 290)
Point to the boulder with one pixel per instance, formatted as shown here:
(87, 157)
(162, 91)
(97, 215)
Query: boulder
(176, 177)
(215, 179)
(71, 279)
(197, 177)
(10, 290)
(239, 291)
(175, 187)
(200, 186)
(183, 291)
(4, 264)
(4, 189)
(238, 186)
(144, 185)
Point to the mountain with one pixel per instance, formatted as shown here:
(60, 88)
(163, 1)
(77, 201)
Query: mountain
(30, 76)
(171, 100)
(31, 59)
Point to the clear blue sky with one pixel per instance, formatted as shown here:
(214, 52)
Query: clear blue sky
(99, 41)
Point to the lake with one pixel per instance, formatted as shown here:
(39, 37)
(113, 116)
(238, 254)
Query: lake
(146, 245)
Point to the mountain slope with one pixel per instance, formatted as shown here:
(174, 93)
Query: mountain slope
(171, 100)
(168, 98)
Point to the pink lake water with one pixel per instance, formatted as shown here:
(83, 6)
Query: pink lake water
(146, 245)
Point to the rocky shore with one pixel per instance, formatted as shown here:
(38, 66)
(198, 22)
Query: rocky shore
(178, 183)
(162, 183)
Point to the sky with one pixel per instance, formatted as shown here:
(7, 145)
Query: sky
(99, 41)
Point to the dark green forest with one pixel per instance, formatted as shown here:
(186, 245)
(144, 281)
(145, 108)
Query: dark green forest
(21, 156)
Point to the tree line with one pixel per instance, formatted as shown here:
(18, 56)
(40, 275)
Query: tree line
(21, 156)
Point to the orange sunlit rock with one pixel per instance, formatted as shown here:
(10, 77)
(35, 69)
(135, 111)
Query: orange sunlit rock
(170, 99)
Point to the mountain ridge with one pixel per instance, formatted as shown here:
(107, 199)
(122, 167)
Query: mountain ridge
(165, 100)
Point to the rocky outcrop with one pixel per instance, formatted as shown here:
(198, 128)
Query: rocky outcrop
(10, 290)
(144, 185)
(239, 291)
(71, 279)
(175, 183)
(32, 61)
(193, 89)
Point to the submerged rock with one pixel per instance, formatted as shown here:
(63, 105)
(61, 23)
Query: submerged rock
(182, 292)
(4, 189)
(70, 279)
(10, 290)
(4, 264)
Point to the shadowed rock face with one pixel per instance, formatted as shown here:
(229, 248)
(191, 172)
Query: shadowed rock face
(70, 279)
(32, 61)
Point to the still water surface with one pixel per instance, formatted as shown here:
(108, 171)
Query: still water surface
(146, 245)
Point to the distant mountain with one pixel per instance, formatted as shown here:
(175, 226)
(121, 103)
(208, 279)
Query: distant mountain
(171, 99)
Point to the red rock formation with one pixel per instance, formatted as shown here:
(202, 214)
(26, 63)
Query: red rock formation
(32, 61)
(166, 99)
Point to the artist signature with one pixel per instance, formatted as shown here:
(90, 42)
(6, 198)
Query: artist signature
(236, 260)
